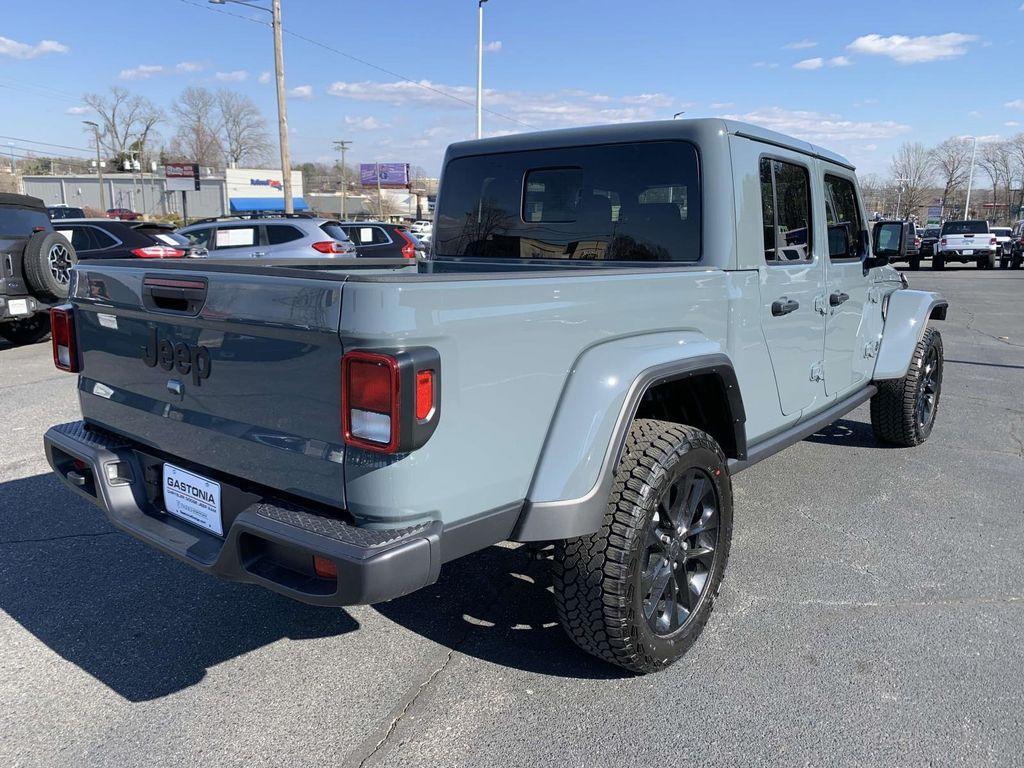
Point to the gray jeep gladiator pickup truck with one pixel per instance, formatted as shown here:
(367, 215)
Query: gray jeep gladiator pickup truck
(35, 268)
(612, 323)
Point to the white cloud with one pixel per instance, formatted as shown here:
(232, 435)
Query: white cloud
(722, 104)
(493, 47)
(801, 45)
(816, 63)
(363, 123)
(1015, 104)
(301, 92)
(651, 99)
(81, 110)
(235, 76)
(141, 72)
(17, 50)
(541, 110)
(914, 50)
(869, 147)
(264, 78)
(839, 61)
(187, 67)
(974, 113)
(766, 64)
(821, 127)
(1011, 123)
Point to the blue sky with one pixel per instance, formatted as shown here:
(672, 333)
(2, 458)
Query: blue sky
(858, 77)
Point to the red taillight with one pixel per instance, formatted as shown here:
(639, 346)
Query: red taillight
(409, 249)
(331, 246)
(324, 568)
(943, 241)
(370, 401)
(65, 346)
(158, 252)
(992, 241)
(424, 394)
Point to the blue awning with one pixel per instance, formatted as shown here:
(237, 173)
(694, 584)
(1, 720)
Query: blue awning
(242, 204)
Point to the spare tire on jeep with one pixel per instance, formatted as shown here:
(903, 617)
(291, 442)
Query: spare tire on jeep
(47, 261)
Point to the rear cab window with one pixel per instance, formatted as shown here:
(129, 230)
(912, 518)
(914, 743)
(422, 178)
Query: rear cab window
(633, 202)
(21, 222)
(965, 228)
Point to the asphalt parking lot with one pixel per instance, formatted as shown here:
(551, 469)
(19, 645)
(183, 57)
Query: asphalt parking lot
(872, 614)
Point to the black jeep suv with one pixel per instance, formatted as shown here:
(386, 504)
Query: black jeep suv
(35, 268)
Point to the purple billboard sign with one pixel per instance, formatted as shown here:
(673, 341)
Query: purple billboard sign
(384, 174)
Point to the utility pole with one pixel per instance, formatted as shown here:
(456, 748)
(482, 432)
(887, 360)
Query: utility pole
(14, 169)
(99, 163)
(380, 195)
(282, 103)
(899, 195)
(342, 145)
(480, 69)
(970, 177)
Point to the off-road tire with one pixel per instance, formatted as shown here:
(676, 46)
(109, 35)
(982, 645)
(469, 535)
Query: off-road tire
(915, 263)
(895, 409)
(597, 577)
(28, 331)
(1015, 262)
(938, 262)
(47, 261)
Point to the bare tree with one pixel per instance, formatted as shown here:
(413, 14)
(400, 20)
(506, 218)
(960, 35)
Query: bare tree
(243, 128)
(952, 159)
(872, 189)
(126, 121)
(1016, 147)
(914, 173)
(383, 204)
(997, 160)
(197, 137)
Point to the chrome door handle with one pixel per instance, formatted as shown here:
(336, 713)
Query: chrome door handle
(838, 298)
(783, 306)
(259, 254)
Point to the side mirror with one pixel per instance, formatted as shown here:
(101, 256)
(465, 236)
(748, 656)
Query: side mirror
(888, 243)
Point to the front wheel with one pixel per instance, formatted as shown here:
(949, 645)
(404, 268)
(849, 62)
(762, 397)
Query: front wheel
(638, 592)
(903, 410)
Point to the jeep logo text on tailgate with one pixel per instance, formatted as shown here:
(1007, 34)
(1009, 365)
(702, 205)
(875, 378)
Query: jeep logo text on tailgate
(181, 356)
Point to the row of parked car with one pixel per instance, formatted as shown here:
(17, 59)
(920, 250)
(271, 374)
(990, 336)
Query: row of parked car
(966, 241)
(40, 245)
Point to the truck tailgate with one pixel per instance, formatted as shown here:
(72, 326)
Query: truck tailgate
(236, 372)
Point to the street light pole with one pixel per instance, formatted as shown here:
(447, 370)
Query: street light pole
(970, 177)
(282, 106)
(99, 163)
(480, 69)
(342, 144)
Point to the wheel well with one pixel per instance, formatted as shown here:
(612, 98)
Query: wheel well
(938, 312)
(702, 401)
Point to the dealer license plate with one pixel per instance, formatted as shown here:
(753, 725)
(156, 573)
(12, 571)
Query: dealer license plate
(193, 498)
(968, 252)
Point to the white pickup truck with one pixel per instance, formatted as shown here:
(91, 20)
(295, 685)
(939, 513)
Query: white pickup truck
(965, 241)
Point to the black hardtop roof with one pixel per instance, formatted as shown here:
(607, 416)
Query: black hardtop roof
(25, 201)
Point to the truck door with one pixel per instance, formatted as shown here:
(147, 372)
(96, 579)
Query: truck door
(847, 362)
(792, 281)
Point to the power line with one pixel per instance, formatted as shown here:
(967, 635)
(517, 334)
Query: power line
(45, 143)
(364, 62)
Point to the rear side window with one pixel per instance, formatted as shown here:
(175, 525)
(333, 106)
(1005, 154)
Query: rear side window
(785, 211)
(368, 235)
(20, 222)
(281, 233)
(103, 239)
(236, 237)
(334, 230)
(842, 214)
(615, 202)
(965, 228)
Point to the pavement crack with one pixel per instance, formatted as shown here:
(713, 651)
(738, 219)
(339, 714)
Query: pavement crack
(58, 538)
(406, 705)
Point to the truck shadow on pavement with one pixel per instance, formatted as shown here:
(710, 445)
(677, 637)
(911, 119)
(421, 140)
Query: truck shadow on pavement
(496, 605)
(138, 621)
(849, 434)
(147, 626)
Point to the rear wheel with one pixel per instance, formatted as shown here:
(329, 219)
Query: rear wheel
(903, 411)
(938, 262)
(29, 331)
(639, 591)
(915, 263)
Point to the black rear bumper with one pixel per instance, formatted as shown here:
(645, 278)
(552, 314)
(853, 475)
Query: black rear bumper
(269, 543)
